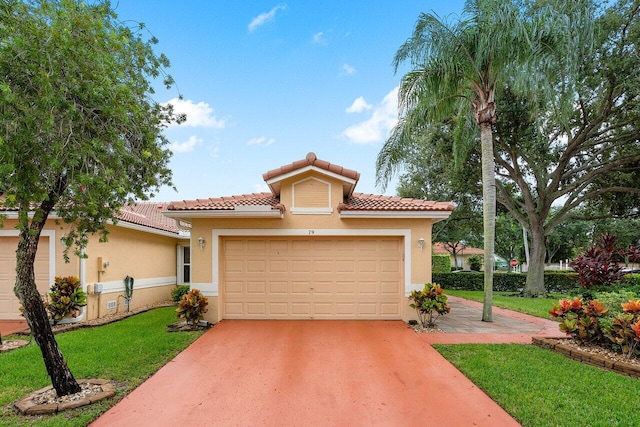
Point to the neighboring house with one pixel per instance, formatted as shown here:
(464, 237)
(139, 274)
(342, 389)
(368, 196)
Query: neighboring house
(144, 244)
(311, 248)
(462, 253)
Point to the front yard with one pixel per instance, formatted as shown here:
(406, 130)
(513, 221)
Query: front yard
(128, 351)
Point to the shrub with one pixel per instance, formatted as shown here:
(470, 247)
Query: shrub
(179, 291)
(475, 262)
(599, 265)
(430, 303)
(192, 306)
(624, 330)
(65, 298)
(441, 263)
(580, 319)
(505, 282)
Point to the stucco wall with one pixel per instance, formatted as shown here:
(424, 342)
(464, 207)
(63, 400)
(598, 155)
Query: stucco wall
(150, 258)
(309, 225)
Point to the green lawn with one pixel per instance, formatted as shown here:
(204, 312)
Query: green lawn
(128, 351)
(535, 306)
(541, 388)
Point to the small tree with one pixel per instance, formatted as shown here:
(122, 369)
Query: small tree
(80, 134)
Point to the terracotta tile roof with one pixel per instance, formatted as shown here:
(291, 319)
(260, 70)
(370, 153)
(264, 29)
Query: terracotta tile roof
(149, 214)
(311, 160)
(228, 203)
(373, 202)
(438, 248)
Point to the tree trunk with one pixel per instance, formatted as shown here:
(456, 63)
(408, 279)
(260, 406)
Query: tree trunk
(489, 216)
(36, 316)
(534, 286)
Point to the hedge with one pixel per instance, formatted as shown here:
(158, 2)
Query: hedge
(505, 282)
(441, 263)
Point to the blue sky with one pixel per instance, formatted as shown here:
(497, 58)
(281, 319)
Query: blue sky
(264, 83)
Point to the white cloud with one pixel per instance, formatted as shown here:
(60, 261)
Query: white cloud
(358, 106)
(318, 38)
(376, 128)
(185, 147)
(198, 115)
(261, 141)
(265, 17)
(348, 69)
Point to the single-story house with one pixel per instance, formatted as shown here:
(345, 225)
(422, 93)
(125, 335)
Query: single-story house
(143, 244)
(463, 253)
(310, 248)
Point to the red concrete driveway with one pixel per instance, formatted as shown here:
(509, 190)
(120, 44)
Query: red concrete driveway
(308, 373)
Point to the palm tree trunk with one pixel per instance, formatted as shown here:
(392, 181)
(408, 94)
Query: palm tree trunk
(489, 215)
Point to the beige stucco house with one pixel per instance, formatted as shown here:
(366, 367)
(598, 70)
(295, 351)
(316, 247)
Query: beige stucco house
(143, 244)
(311, 248)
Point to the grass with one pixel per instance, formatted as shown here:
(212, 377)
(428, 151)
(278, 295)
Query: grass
(128, 352)
(542, 388)
(535, 306)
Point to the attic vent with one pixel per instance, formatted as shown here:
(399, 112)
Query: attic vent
(311, 196)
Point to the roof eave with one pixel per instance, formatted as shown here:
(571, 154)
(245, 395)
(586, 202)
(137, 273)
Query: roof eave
(437, 215)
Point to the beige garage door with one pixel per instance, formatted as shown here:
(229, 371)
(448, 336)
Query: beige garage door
(9, 305)
(318, 278)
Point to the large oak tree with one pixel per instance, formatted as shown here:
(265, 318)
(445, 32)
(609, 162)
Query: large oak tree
(80, 134)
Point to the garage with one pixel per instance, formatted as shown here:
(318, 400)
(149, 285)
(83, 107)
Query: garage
(9, 305)
(309, 248)
(311, 278)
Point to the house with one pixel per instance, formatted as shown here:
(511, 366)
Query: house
(311, 248)
(143, 244)
(463, 253)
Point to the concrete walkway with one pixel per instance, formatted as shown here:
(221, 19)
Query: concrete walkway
(326, 373)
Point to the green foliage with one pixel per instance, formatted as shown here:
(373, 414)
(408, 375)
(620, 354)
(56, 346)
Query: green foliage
(513, 301)
(441, 263)
(429, 303)
(475, 262)
(65, 299)
(192, 306)
(624, 330)
(179, 291)
(580, 319)
(555, 282)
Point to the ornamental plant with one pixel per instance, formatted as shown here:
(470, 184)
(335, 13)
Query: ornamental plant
(65, 298)
(598, 265)
(580, 319)
(192, 307)
(624, 330)
(430, 303)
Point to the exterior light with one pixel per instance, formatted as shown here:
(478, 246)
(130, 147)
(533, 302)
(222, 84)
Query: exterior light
(421, 243)
(201, 242)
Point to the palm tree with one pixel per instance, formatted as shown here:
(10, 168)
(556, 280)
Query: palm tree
(455, 69)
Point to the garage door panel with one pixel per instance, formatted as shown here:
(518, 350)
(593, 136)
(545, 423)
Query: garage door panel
(313, 278)
(278, 266)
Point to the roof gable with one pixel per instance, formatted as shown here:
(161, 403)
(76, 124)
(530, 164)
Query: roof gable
(348, 177)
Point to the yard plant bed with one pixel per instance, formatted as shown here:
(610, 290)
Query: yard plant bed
(592, 355)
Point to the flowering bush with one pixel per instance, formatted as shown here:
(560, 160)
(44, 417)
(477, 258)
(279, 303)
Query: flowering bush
(430, 303)
(625, 329)
(192, 306)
